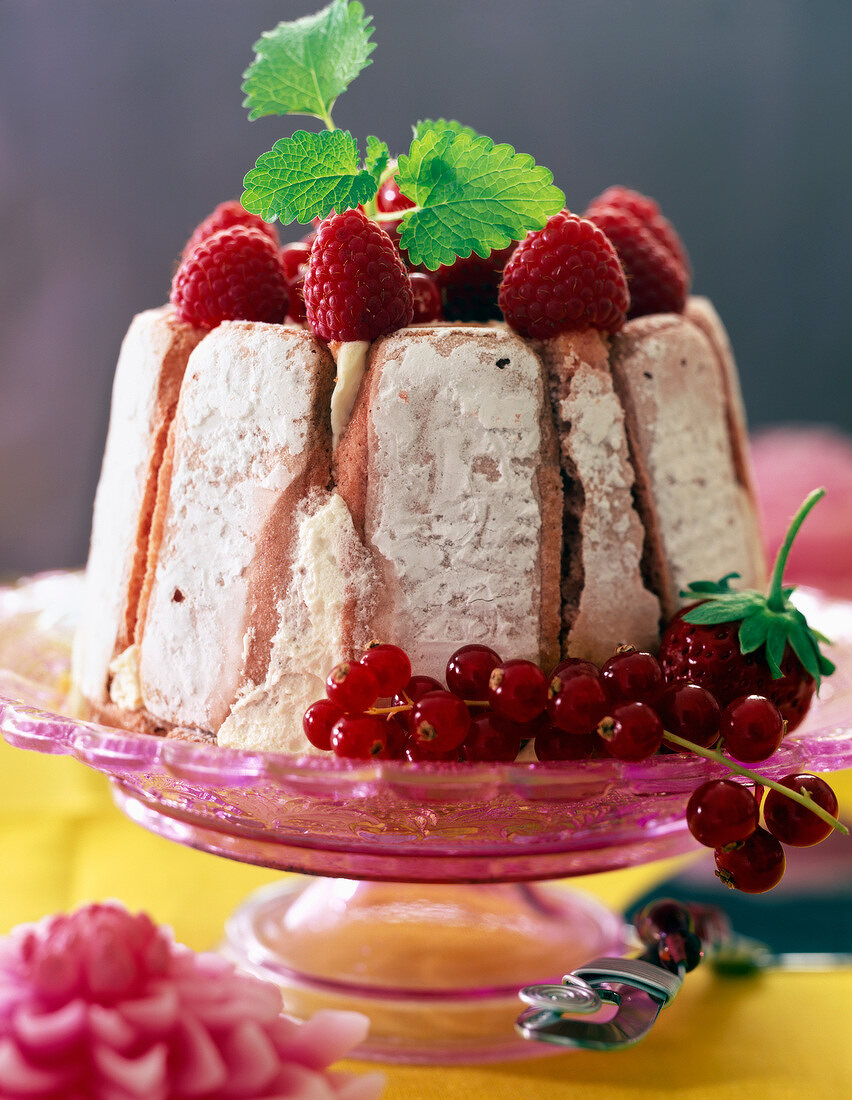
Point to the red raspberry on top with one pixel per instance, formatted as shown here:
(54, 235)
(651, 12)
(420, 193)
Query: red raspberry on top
(648, 247)
(649, 214)
(234, 275)
(226, 215)
(564, 277)
(356, 286)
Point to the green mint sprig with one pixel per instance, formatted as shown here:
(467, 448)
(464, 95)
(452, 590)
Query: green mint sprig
(307, 176)
(302, 66)
(768, 620)
(470, 195)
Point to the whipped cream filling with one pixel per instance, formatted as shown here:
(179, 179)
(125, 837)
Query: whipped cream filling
(351, 360)
(329, 565)
(124, 687)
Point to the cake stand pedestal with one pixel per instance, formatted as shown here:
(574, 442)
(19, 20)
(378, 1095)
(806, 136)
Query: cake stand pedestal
(429, 908)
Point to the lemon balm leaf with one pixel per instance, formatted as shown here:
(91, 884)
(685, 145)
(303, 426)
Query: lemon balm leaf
(470, 195)
(307, 176)
(425, 125)
(301, 67)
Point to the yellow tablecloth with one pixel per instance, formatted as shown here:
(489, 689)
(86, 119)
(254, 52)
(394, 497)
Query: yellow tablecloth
(779, 1036)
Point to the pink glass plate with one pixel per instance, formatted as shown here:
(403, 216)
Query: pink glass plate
(436, 965)
(386, 820)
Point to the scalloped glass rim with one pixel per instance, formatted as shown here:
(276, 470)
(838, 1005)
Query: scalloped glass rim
(389, 819)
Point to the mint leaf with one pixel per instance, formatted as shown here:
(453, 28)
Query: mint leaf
(440, 124)
(302, 66)
(470, 195)
(378, 157)
(307, 176)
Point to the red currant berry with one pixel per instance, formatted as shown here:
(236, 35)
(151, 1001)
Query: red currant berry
(295, 258)
(721, 812)
(578, 703)
(793, 823)
(517, 690)
(491, 739)
(555, 744)
(390, 665)
(359, 736)
(468, 671)
(632, 731)
(440, 719)
(415, 689)
(396, 731)
(416, 752)
(427, 299)
(317, 722)
(632, 677)
(389, 198)
(296, 310)
(352, 687)
(691, 712)
(752, 728)
(753, 865)
(570, 666)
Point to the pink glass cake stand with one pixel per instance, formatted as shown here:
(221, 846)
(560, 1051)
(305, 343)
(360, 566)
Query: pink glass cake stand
(428, 908)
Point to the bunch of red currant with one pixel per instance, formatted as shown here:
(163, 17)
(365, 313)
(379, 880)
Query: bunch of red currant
(626, 710)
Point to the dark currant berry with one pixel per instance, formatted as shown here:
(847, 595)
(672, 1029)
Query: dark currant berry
(659, 918)
(295, 259)
(317, 722)
(415, 689)
(677, 950)
(489, 739)
(631, 731)
(578, 703)
(793, 823)
(721, 812)
(570, 666)
(359, 736)
(441, 720)
(396, 732)
(296, 309)
(428, 305)
(752, 728)
(468, 671)
(352, 687)
(554, 744)
(691, 712)
(632, 677)
(517, 690)
(753, 865)
(390, 665)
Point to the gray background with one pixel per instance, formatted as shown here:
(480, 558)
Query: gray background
(121, 126)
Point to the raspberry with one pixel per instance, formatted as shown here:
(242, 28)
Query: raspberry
(226, 215)
(565, 277)
(648, 213)
(356, 286)
(234, 275)
(658, 281)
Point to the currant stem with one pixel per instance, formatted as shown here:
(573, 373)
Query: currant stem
(738, 769)
(775, 596)
(409, 705)
(394, 215)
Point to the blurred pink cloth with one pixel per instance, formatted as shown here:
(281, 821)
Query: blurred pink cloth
(788, 464)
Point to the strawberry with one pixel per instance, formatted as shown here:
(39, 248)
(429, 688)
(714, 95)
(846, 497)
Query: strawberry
(746, 643)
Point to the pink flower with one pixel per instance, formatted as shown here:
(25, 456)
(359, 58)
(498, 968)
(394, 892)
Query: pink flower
(788, 464)
(103, 1005)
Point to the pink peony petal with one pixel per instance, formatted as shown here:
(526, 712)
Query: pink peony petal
(50, 1033)
(367, 1086)
(108, 1027)
(19, 1078)
(140, 1076)
(198, 1068)
(324, 1038)
(155, 1014)
(300, 1083)
(251, 1059)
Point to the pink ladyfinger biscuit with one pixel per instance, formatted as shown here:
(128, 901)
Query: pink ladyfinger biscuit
(145, 391)
(449, 468)
(699, 519)
(251, 453)
(604, 598)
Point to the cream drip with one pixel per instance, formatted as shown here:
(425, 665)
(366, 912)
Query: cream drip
(351, 359)
(124, 687)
